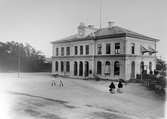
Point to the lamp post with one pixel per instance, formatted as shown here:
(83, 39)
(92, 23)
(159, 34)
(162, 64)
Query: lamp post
(18, 61)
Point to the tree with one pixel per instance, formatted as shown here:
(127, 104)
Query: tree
(30, 58)
(161, 67)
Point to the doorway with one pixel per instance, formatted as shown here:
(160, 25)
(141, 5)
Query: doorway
(86, 68)
(80, 69)
(133, 70)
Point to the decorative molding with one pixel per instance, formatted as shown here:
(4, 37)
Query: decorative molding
(108, 55)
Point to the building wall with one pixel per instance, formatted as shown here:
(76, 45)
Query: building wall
(112, 61)
(74, 58)
(72, 45)
(112, 41)
(138, 60)
(125, 58)
(71, 73)
(138, 57)
(138, 43)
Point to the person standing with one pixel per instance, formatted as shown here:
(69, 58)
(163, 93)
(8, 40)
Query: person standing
(61, 83)
(53, 82)
(120, 86)
(112, 88)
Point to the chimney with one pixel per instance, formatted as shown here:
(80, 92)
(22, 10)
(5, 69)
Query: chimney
(81, 29)
(110, 24)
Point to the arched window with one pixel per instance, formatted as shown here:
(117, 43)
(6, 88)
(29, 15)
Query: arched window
(56, 66)
(116, 68)
(133, 69)
(67, 66)
(75, 68)
(99, 66)
(142, 67)
(107, 68)
(80, 69)
(150, 67)
(62, 66)
(86, 68)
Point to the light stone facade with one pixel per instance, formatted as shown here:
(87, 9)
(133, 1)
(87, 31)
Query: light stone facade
(124, 64)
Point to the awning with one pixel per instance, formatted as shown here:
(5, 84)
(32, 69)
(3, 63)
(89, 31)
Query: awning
(152, 50)
(144, 50)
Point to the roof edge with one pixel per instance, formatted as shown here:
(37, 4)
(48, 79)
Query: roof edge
(91, 38)
(142, 37)
(118, 35)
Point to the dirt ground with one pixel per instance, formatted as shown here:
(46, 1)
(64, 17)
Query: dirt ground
(33, 97)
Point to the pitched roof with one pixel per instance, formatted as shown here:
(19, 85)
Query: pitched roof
(103, 33)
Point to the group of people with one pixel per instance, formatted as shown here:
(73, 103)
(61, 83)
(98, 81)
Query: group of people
(119, 88)
(60, 83)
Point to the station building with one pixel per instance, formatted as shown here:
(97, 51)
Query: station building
(112, 52)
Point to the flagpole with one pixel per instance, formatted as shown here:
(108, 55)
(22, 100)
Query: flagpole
(100, 14)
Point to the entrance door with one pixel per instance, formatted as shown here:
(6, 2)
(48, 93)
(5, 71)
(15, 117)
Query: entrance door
(86, 68)
(80, 69)
(133, 70)
(142, 67)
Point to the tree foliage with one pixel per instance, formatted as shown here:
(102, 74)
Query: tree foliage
(14, 54)
(161, 67)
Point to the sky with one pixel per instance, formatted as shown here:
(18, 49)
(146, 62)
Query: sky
(38, 22)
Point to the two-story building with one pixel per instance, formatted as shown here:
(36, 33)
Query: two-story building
(109, 53)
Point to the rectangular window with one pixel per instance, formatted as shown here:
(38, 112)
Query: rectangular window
(57, 51)
(67, 50)
(133, 48)
(76, 50)
(117, 48)
(62, 66)
(108, 51)
(62, 51)
(67, 66)
(99, 47)
(81, 50)
(87, 49)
